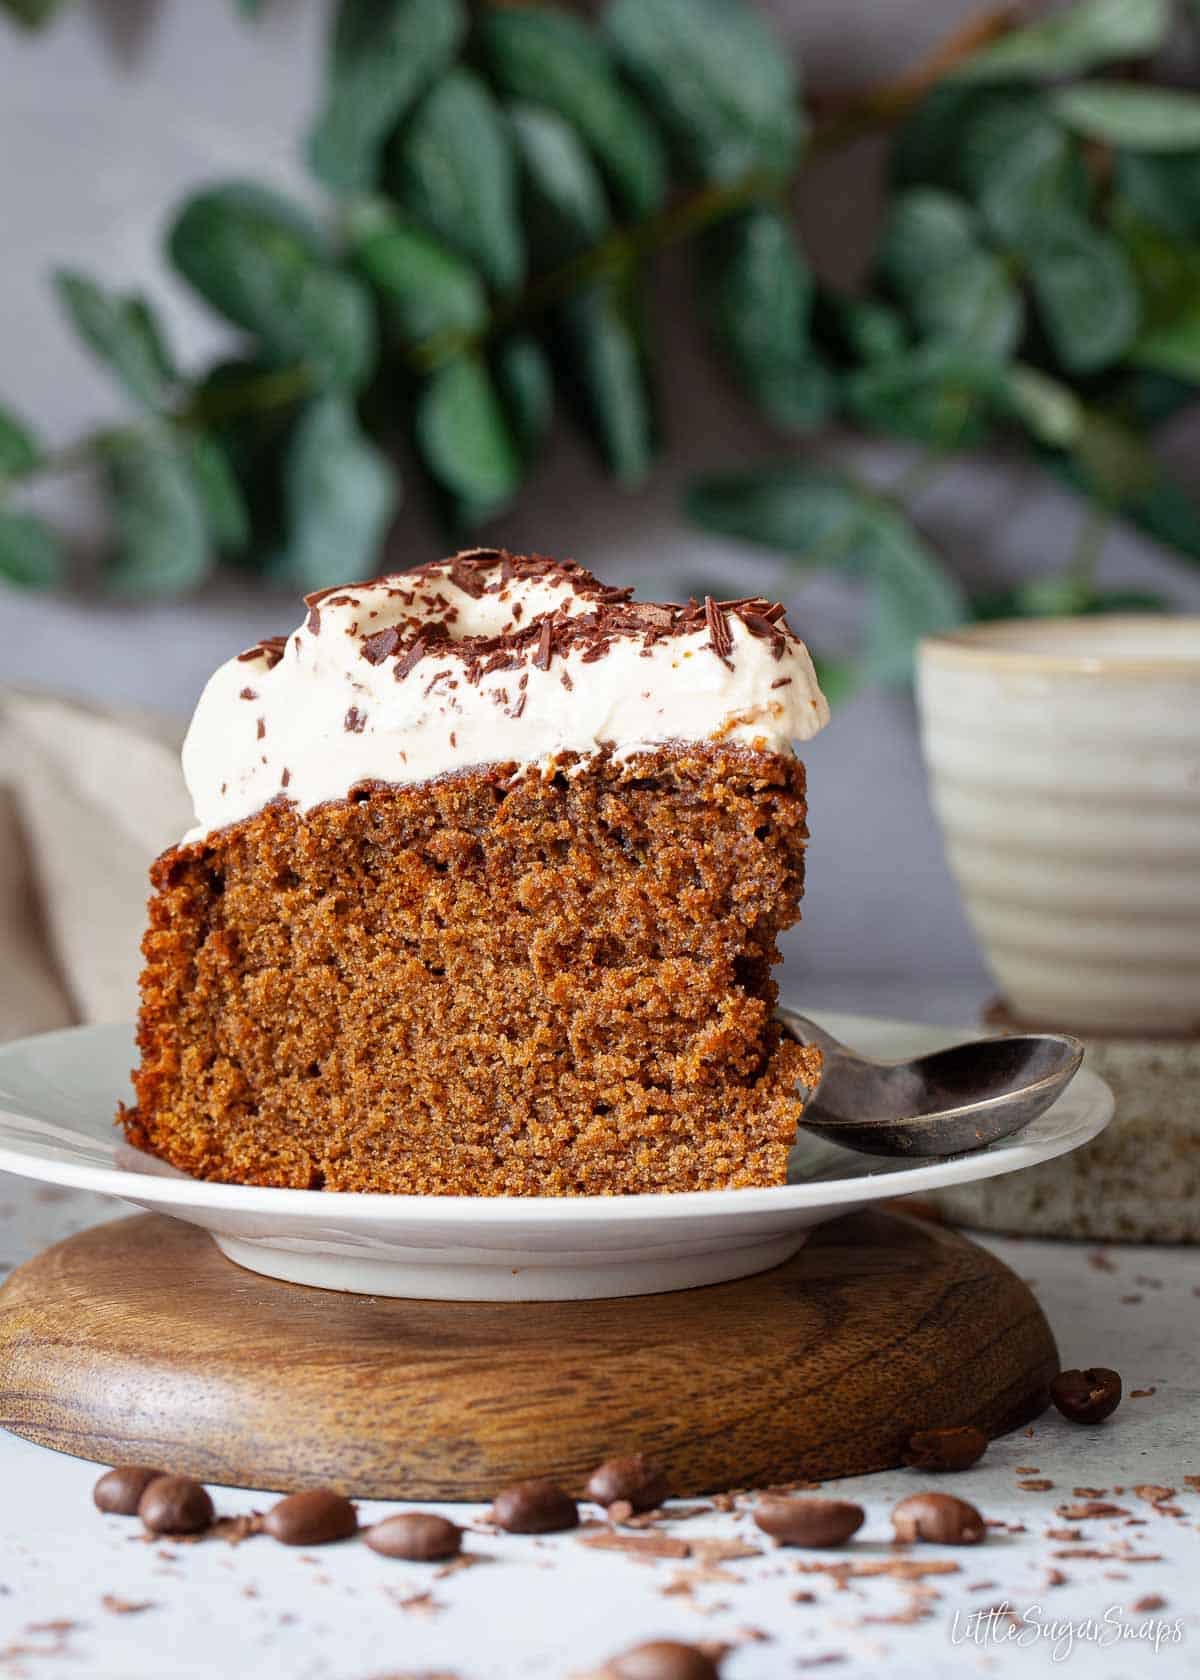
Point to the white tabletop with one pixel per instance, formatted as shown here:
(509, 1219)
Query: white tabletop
(553, 1607)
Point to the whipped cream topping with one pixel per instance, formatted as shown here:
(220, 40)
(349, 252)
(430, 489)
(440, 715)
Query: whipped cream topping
(488, 658)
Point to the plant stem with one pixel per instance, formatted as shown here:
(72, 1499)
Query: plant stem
(256, 394)
(853, 112)
(1089, 545)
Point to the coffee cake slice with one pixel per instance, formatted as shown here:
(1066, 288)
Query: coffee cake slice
(483, 898)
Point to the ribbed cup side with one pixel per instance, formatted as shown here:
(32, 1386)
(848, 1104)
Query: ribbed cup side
(1070, 806)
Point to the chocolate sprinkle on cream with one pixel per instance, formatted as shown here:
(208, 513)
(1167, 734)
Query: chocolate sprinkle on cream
(451, 661)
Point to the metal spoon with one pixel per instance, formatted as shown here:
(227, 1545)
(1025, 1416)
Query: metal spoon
(945, 1103)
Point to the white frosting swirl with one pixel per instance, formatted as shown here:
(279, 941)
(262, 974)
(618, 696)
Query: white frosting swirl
(486, 659)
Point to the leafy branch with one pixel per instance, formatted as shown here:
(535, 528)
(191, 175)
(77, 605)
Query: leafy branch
(502, 181)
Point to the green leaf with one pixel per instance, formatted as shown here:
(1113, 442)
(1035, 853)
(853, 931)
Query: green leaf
(824, 519)
(261, 263)
(455, 173)
(162, 545)
(1086, 293)
(339, 495)
(19, 448)
(1049, 410)
(1163, 189)
(937, 394)
(551, 59)
(463, 435)
(1074, 41)
(1168, 512)
(526, 386)
(424, 290)
(956, 290)
(30, 553)
(607, 373)
(814, 514)
(758, 292)
(123, 333)
(863, 328)
(912, 595)
(385, 53)
(1142, 119)
(1115, 466)
(34, 14)
(1168, 272)
(1062, 597)
(840, 679)
(1021, 166)
(927, 149)
(717, 78)
(222, 503)
(565, 206)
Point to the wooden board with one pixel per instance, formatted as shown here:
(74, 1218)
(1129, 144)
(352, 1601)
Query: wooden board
(138, 1341)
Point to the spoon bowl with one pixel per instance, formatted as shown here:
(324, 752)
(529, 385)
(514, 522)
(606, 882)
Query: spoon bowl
(946, 1103)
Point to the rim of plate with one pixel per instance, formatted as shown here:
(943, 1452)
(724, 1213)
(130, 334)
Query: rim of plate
(166, 1189)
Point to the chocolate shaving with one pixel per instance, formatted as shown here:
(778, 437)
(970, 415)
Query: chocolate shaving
(246, 693)
(355, 721)
(314, 621)
(651, 1546)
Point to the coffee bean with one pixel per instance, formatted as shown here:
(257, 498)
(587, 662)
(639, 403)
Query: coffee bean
(634, 1481)
(1086, 1396)
(808, 1522)
(946, 1449)
(175, 1505)
(662, 1659)
(535, 1508)
(938, 1517)
(418, 1536)
(311, 1519)
(120, 1488)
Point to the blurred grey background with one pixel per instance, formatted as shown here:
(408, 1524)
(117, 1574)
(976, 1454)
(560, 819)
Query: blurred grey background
(110, 116)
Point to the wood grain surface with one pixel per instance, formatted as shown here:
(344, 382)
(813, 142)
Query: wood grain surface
(137, 1340)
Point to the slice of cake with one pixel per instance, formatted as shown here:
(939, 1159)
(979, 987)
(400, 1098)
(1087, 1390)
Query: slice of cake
(483, 895)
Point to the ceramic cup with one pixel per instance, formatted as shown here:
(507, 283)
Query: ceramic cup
(1064, 756)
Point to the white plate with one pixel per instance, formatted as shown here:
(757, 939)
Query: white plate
(59, 1092)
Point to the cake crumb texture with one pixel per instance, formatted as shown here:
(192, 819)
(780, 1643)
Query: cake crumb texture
(495, 983)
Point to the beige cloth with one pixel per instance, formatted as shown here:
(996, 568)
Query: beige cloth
(88, 797)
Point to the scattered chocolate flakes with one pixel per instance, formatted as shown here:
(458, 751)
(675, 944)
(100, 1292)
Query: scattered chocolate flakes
(900, 1569)
(723, 1551)
(271, 648)
(379, 646)
(1151, 1601)
(646, 1546)
(1090, 1508)
(1067, 1534)
(260, 728)
(234, 1530)
(285, 779)
(1143, 1393)
(1055, 1578)
(355, 721)
(1036, 1484)
(314, 621)
(126, 1606)
(1152, 1493)
(247, 693)
(1089, 1492)
(418, 1604)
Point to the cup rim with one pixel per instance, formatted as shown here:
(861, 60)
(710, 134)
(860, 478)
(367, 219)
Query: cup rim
(977, 645)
